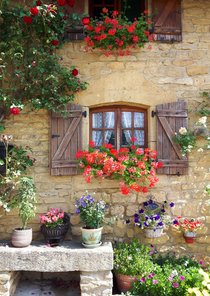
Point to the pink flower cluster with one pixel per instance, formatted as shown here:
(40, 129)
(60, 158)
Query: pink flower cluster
(187, 224)
(133, 166)
(52, 218)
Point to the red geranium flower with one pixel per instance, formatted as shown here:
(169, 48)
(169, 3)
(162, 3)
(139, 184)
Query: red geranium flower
(27, 19)
(38, 3)
(86, 20)
(74, 72)
(105, 10)
(34, 11)
(71, 3)
(61, 2)
(54, 42)
(14, 110)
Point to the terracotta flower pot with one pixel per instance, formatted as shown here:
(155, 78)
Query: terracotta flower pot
(125, 282)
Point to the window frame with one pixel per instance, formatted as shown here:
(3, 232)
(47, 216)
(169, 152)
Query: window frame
(118, 109)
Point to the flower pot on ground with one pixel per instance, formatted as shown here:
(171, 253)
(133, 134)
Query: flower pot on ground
(55, 225)
(92, 214)
(132, 261)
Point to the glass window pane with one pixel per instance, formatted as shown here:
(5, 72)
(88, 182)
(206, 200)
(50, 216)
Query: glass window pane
(126, 137)
(97, 120)
(126, 119)
(138, 119)
(97, 138)
(139, 135)
(109, 137)
(109, 119)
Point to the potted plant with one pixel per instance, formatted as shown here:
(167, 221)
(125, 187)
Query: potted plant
(132, 261)
(92, 213)
(189, 227)
(152, 217)
(17, 189)
(132, 166)
(55, 225)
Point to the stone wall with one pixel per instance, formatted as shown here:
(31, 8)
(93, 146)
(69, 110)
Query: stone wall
(163, 74)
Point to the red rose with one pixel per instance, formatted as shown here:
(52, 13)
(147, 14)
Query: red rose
(34, 11)
(61, 2)
(70, 3)
(55, 42)
(27, 19)
(38, 3)
(14, 110)
(74, 72)
(86, 21)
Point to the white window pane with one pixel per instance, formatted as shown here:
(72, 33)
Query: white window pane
(109, 119)
(97, 138)
(109, 137)
(126, 119)
(138, 119)
(139, 135)
(97, 120)
(126, 137)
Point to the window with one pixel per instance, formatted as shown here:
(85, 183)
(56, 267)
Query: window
(118, 125)
(132, 9)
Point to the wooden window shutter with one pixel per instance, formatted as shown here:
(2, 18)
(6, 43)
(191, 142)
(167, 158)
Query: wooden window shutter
(167, 20)
(66, 140)
(170, 117)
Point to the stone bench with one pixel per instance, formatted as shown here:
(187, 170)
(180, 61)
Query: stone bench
(94, 265)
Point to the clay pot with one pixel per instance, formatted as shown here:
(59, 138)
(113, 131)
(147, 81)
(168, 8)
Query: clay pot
(189, 237)
(125, 282)
(91, 236)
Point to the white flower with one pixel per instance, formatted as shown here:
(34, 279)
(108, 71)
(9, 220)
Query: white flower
(202, 121)
(200, 150)
(183, 131)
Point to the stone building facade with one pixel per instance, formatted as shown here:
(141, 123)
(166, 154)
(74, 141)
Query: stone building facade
(147, 77)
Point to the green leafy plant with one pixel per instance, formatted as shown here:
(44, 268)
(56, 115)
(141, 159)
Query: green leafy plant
(186, 139)
(132, 258)
(174, 277)
(114, 33)
(91, 212)
(16, 189)
(31, 71)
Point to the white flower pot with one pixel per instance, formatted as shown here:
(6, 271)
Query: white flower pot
(91, 237)
(153, 233)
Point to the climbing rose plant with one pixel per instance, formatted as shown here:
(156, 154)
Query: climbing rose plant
(133, 166)
(31, 71)
(114, 33)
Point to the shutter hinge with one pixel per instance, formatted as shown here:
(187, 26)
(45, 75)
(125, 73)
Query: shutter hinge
(84, 114)
(153, 113)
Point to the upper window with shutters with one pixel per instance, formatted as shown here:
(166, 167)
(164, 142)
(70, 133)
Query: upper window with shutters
(166, 14)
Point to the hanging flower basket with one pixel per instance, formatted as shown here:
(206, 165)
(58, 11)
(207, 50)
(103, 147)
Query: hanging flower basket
(153, 232)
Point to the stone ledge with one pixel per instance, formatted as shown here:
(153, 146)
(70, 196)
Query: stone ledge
(70, 256)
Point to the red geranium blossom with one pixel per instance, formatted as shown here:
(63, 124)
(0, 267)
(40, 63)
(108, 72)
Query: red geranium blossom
(61, 2)
(71, 3)
(38, 3)
(34, 11)
(14, 110)
(27, 19)
(54, 42)
(135, 170)
(86, 20)
(74, 72)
